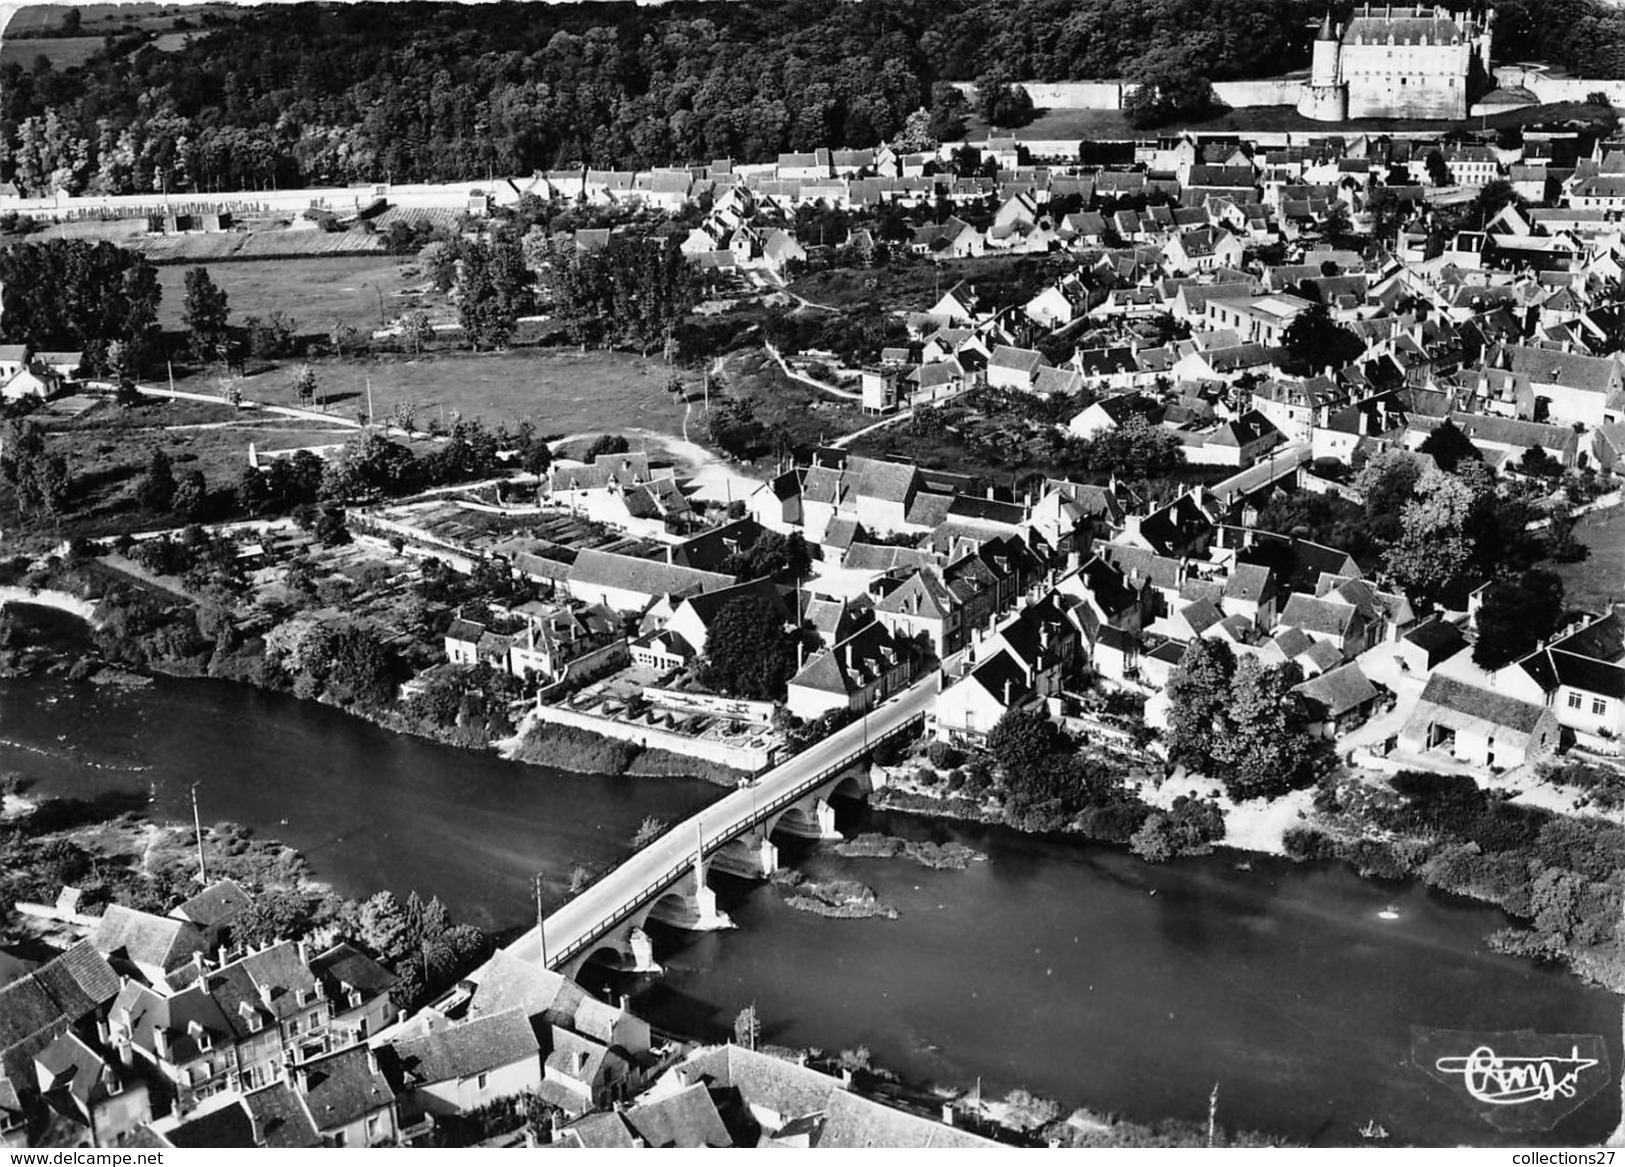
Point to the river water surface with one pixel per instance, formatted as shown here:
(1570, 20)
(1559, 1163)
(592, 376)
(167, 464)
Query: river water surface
(1075, 971)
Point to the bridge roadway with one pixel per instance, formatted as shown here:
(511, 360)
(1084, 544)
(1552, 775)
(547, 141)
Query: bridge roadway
(646, 875)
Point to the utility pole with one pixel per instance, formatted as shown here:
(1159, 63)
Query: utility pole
(541, 922)
(1212, 1113)
(369, 400)
(197, 826)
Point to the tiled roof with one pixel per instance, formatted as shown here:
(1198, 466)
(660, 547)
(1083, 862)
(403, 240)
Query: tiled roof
(647, 577)
(346, 966)
(851, 1121)
(145, 938)
(1500, 710)
(686, 1119)
(475, 1046)
(344, 1087)
(280, 1118)
(1315, 615)
(599, 1131)
(215, 904)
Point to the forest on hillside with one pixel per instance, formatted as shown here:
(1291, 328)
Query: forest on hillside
(314, 94)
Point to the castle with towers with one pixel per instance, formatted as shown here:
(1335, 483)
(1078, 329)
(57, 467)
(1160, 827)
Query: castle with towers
(1398, 62)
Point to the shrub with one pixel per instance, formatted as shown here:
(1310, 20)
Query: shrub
(925, 776)
(943, 756)
(1303, 844)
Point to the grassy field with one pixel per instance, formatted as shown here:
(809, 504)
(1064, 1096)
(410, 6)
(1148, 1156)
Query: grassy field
(108, 448)
(1599, 579)
(811, 417)
(312, 291)
(63, 52)
(562, 391)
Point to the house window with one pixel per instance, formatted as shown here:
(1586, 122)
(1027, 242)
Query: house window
(1599, 706)
(293, 1027)
(340, 1138)
(315, 1020)
(479, 1083)
(1574, 701)
(373, 1124)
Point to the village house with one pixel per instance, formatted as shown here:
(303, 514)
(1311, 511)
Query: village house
(455, 1069)
(350, 1101)
(855, 674)
(1479, 726)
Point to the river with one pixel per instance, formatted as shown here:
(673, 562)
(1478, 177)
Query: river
(1075, 971)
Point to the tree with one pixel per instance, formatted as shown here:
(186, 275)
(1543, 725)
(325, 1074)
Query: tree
(1492, 197)
(1449, 447)
(191, 499)
(1388, 481)
(362, 668)
(156, 490)
(948, 109)
(341, 335)
(1438, 170)
(490, 284)
(1168, 82)
(1198, 692)
(747, 652)
(1264, 745)
(747, 1027)
(81, 296)
(272, 915)
(304, 384)
(40, 481)
(1135, 449)
(205, 314)
(648, 831)
(438, 262)
(1516, 614)
(1021, 741)
(384, 927)
(1000, 102)
(607, 444)
(1029, 1112)
(1318, 342)
(733, 426)
(416, 330)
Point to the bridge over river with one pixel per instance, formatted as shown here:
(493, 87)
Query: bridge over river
(666, 880)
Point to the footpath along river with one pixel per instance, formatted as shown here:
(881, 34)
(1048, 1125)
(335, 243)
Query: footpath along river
(1075, 971)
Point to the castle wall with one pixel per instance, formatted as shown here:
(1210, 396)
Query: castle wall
(1272, 91)
(1548, 89)
(1406, 81)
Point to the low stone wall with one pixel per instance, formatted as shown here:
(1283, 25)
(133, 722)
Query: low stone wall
(1271, 91)
(1548, 89)
(739, 757)
(1109, 95)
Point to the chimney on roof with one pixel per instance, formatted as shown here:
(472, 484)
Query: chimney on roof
(372, 1060)
(125, 1051)
(265, 995)
(160, 1042)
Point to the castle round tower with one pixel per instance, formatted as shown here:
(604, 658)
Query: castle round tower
(1325, 96)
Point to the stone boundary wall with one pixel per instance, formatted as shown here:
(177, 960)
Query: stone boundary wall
(1549, 89)
(1109, 95)
(749, 758)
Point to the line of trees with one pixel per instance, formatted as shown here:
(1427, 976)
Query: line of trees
(346, 93)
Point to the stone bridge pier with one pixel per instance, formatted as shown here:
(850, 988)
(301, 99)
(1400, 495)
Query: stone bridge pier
(751, 856)
(689, 903)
